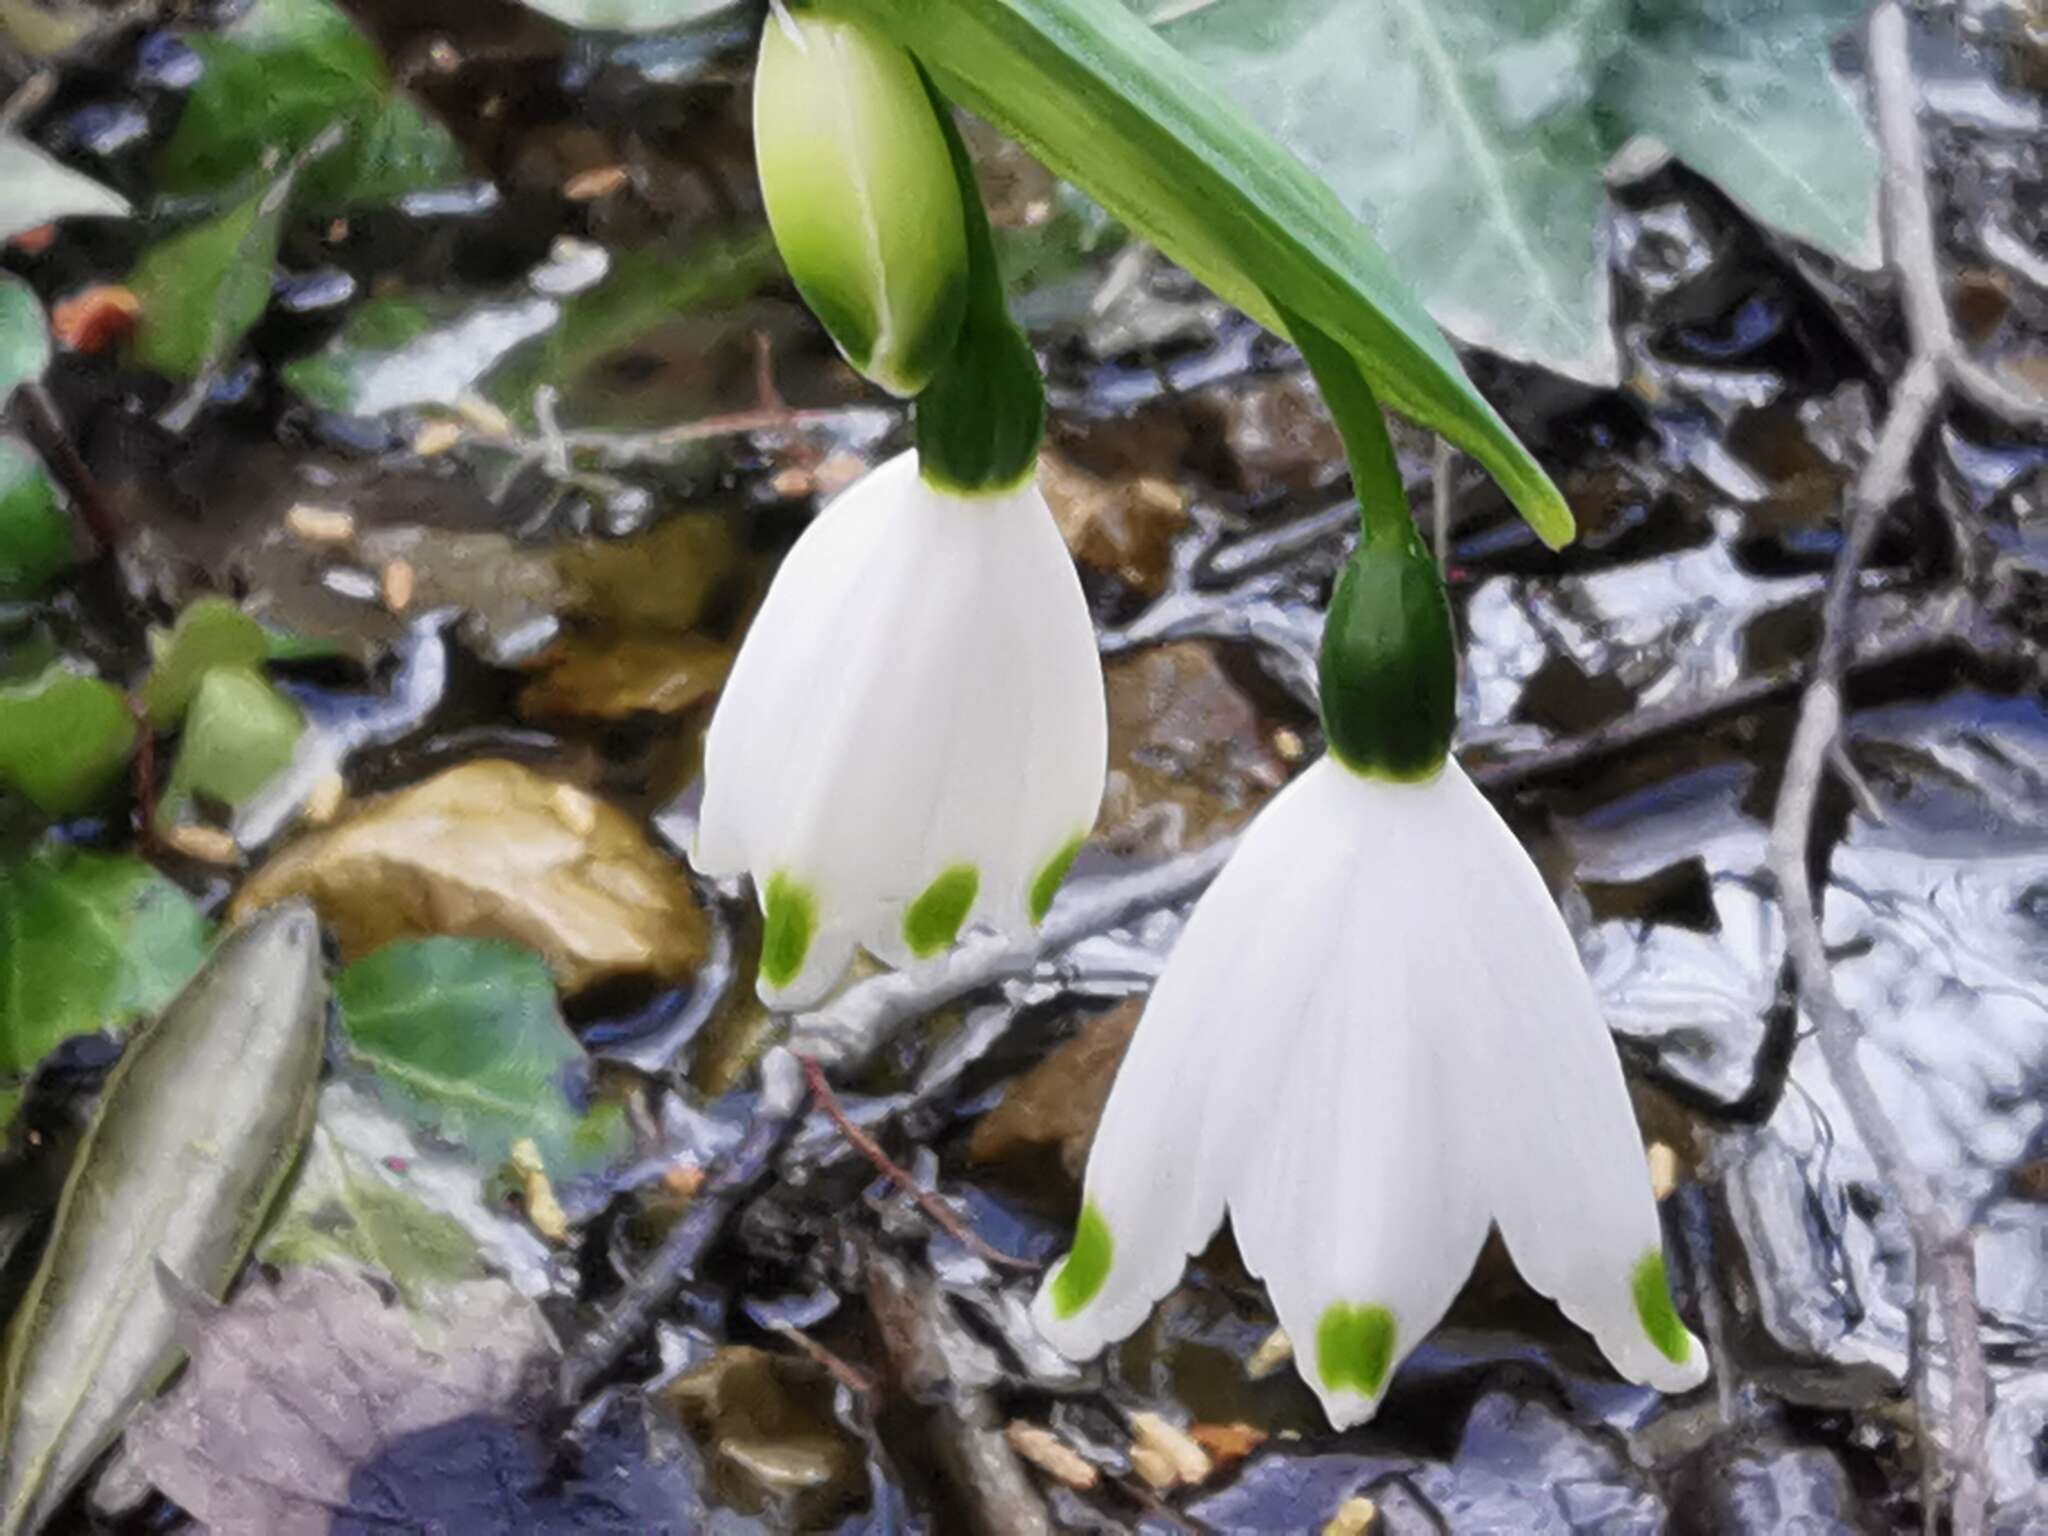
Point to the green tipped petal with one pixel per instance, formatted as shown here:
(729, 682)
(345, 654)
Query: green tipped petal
(1354, 1348)
(1053, 876)
(1081, 1274)
(933, 920)
(861, 193)
(1660, 1320)
(792, 922)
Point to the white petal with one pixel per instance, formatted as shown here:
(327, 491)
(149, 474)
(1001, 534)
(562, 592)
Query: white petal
(914, 725)
(1189, 1101)
(1361, 1205)
(1570, 1188)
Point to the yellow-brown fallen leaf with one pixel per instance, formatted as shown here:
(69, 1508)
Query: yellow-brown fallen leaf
(1123, 527)
(544, 1212)
(1051, 1455)
(661, 580)
(608, 678)
(1227, 1444)
(1058, 1102)
(1165, 1455)
(495, 850)
(1354, 1517)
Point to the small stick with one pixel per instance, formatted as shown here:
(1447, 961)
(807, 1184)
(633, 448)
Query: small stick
(897, 1174)
(45, 428)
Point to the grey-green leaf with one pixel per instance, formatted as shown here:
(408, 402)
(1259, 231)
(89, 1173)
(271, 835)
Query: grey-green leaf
(197, 1128)
(1742, 91)
(1471, 135)
(24, 336)
(41, 190)
(465, 1039)
(1108, 104)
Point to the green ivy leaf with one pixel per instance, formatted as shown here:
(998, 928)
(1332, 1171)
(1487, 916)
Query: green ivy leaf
(211, 632)
(238, 736)
(1472, 135)
(340, 1212)
(1108, 104)
(65, 738)
(201, 290)
(274, 81)
(87, 943)
(24, 337)
(35, 533)
(42, 191)
(466, 1040)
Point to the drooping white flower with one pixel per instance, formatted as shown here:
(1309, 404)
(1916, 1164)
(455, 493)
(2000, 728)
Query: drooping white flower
(914, 736)
(1374, 1038)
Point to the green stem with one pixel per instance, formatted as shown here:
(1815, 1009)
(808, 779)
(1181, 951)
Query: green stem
(1384, 519)
(982, 417)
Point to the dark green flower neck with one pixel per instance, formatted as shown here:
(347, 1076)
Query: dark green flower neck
(1389, 666)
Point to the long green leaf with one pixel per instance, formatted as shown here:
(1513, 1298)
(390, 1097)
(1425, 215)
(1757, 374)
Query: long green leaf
(1113, 108)
(193, 1138)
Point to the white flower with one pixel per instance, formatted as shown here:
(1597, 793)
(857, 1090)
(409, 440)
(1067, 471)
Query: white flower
(914, 736)
(1373, 1038)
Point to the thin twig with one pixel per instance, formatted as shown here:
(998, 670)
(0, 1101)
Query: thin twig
(927, 1200)
(27, 100)
(44, 427)
(1440, 487)
(1945, 1281)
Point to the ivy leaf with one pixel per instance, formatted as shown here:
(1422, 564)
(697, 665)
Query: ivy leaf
(238, 736)
(276, 80)
(42, 190)
(88, 942)
(1471, 135)
(24, 337)
(465, 1038)
(340, 1211)
(201, 290)
(65, 737)
(35, 533)
(210, 633)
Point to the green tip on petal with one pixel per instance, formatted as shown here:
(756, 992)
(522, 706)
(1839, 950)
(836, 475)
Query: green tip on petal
(1081, 1274)
(933, 920)
(792, 922)
(1053, 876)
(1659, 1317)
(1355, 1347)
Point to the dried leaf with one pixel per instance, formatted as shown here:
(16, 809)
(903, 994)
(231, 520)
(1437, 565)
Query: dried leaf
(196, 1132)
(1058, 1102)
(291, 1389)
(603, 678)
(492, 849)
(661, 581)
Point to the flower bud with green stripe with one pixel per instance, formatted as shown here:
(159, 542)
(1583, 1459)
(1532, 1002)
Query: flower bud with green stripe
(914, 738)
(1374, 1038)
(861, 194)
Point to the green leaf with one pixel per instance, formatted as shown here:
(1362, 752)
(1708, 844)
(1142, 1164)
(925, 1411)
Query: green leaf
(65, 737)
(645, 290)
(24, 336)
(1108, 104)
(1472, 135)
(198, 1127)
(629, 15)
(42, 191)
(465, 1038)
(273, 82)
(203, 289)
(343, 1213)
(238, 736)
(88, 942)
(35, 533)
(1741, 90)
(211, 632)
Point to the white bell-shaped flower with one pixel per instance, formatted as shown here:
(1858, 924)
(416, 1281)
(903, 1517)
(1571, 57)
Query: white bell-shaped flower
(914, 736)
(1374, 1038)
